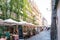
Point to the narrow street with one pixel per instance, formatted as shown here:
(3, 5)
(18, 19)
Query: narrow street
(29, 19)
(44, 35)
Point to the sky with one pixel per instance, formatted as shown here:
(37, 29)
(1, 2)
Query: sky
(45, 9)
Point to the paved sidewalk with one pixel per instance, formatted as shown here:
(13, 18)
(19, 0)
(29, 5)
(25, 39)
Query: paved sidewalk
(44, 35)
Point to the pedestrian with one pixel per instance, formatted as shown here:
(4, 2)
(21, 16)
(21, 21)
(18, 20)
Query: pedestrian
(3, 37)
(34, 31)
(7, 34)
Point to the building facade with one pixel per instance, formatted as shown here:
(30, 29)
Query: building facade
(58, 19)
(44, 21)
(31, 13)
(35, 13)
(54, 27)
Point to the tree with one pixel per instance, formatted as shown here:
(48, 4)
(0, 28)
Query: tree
(18, 7)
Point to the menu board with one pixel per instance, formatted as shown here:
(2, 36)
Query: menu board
(20, 32)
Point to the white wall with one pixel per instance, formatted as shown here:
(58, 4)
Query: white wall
(58, 21)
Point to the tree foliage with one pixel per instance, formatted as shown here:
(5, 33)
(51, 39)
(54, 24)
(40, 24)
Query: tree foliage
(16, 6)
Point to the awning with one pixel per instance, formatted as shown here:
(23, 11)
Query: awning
(10, 22)
(22, 23)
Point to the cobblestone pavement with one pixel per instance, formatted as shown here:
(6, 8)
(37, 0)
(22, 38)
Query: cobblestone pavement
(44, 35)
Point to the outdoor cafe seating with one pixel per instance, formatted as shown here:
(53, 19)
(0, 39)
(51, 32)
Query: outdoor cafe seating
(13, 27)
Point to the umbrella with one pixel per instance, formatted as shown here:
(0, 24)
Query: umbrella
(30, 24)
(10, 22)
(22, 22)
